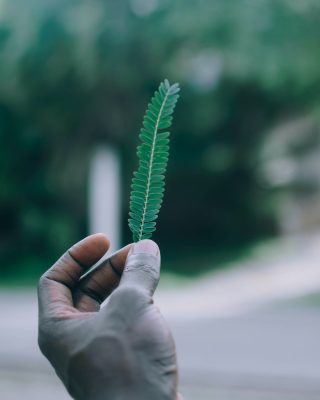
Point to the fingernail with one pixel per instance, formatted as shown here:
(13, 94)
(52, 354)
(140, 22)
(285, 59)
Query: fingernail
(146, 246)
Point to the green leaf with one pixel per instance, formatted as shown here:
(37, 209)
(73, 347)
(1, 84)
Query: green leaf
(147, 187)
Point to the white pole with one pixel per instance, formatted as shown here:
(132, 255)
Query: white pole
(105, 194)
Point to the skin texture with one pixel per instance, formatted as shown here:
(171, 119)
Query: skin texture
(121, 351)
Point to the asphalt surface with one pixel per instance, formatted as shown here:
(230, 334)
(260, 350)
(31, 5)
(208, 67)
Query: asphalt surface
(260, 355)
(270, 354)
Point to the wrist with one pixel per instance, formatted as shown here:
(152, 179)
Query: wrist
(128, 393)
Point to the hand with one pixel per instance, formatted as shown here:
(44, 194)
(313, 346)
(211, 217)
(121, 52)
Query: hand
(121, 351)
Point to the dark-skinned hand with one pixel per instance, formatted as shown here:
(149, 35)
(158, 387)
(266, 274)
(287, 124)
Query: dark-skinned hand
(118, 352)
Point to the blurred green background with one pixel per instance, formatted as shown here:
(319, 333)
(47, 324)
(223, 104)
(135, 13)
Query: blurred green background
(77, 74)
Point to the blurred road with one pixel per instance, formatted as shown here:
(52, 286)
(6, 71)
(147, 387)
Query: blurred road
(265, 355)
(285, 270)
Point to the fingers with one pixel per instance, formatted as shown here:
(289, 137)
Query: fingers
(97, 284)
(142, 268)
(138, 282)
(56, 285)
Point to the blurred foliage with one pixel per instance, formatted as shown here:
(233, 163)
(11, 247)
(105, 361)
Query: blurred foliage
(78, 73)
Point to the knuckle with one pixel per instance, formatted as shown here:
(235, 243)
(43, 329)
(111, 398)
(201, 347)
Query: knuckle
(129, 298)
(45, 342)
(130, 293)
(145, 263)
(42, 281)
(47, 337)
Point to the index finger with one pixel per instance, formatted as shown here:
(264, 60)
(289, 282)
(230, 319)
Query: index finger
(56, 285)
(95, 286)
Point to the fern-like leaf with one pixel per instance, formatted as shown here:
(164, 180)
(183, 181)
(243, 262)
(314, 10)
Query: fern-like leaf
(147, 186)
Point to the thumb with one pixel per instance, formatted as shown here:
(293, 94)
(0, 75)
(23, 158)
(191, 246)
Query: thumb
(142, 267)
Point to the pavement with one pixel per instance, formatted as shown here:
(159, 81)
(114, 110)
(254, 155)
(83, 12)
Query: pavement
(282, 271)
(266, 355)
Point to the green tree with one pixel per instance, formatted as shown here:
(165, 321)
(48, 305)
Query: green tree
(76, 74)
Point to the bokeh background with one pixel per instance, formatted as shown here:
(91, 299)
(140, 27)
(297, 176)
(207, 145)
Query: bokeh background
(242, 202)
